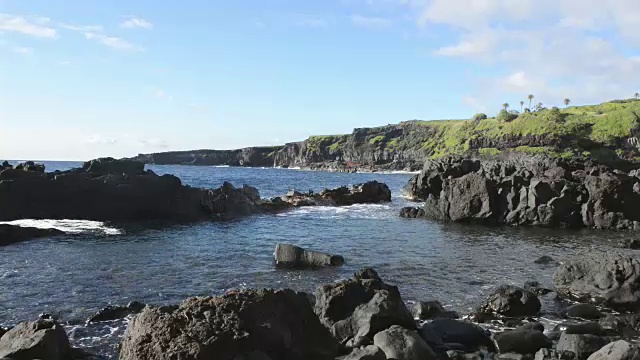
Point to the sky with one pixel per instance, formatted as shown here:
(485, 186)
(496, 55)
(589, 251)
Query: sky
(83, 79)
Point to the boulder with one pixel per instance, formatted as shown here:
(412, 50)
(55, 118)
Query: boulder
(522, 341)
(10, 234)
(442, 331)
(371, 192)
(582, 345)
(279, 324)
(355, 310)
(370, 352)
(424, 310)
(618, 350)
(111, 312)
(402, 344)
(40, 339)
(550, 354)
(510, 301)
(291, 256)
(583, 311)
(610, 279)
(592, 328)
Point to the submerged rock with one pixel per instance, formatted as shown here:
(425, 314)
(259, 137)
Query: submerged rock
(10, 234)
(609, 279)
(291, 256)
(447, 331)
(116, 312)
(278, 324)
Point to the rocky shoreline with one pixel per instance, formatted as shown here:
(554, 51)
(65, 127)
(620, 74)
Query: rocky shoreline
(121, 191)
(527, 190)
(366, 318)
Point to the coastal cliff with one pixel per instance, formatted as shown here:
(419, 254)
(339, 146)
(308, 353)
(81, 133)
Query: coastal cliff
(608, 132)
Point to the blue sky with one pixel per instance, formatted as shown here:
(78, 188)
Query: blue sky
(81, 79)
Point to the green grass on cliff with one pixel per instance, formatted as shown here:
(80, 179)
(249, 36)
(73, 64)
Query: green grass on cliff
(592, 130)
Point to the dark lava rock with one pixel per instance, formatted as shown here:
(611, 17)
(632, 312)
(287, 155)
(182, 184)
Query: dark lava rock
(609, 279)
(424, 310)
(627, 325)
(525, 190)
(522, 341)
(583, 311)
(582, 345)
(279, 324)
(471, 336)
(355, 310)
(536, 288)
(40, 339)
(633, 244)
(510, 301)
(104, 166)
(116, 312)
(592, 328)
(294, 257)
(550, 354)
(10, 234)
(367, 193)
(370, 352)
(619, 350)
(545, 260)
(402, 344)
(30, 166)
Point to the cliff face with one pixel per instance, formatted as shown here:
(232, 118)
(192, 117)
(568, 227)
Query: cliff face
(608, 132)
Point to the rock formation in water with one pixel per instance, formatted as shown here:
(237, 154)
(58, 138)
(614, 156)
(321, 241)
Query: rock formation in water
(11, 234)
(122, 191)
(607, 132)
(524, 190)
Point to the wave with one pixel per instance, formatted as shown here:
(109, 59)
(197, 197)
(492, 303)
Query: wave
(68, 226)
(221, 166)
(357, 211)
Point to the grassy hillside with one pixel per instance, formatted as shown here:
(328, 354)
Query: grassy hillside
(600, 131)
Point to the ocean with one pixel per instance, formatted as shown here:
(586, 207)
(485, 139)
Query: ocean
(98, 264)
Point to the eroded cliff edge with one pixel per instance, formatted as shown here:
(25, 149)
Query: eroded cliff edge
(608, 133)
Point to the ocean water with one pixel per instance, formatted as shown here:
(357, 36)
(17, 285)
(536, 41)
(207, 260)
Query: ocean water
(99, 264)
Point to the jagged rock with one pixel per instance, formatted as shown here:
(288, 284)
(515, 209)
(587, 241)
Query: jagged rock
(447, 331)
(116, 312)
(510, 301)
(609, 279)
(402, 344)
(30, 166)
(40, 339)
(10, 234)
(525, 190)
(583, 311)
(291, 256)
(370, 352)
(424, 310)
(618, 350)
(522, 341)
(355, 310)
(279, 324)
(369, 192)
(582, 345)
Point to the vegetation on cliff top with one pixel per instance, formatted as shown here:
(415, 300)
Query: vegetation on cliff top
(575, 130)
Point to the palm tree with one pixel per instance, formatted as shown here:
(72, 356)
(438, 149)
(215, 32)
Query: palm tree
(530, 97)
(505, 106)
(566, 102)
(521, 105)
(637, 95)
(539, 106)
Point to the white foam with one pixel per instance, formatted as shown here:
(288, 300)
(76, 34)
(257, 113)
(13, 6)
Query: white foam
(68, 226)
(358, 211)
(221, 166)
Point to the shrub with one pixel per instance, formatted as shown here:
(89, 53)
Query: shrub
(506, 116)
(479, 117)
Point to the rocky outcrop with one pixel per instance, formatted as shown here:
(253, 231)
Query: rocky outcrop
(274, 324)
(40, 339)
(10, 234)
(355, 310)
(295, 257)
(122, 191)
(510, 301)
(526, 190)
(609, 279)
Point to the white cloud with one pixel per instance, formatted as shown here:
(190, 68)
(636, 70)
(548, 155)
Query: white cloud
(136, 22)
(23, 50)
(101, 140)
(112, 42)
(82, 28)
(153, 143)
(370, 22)
(36, 26)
